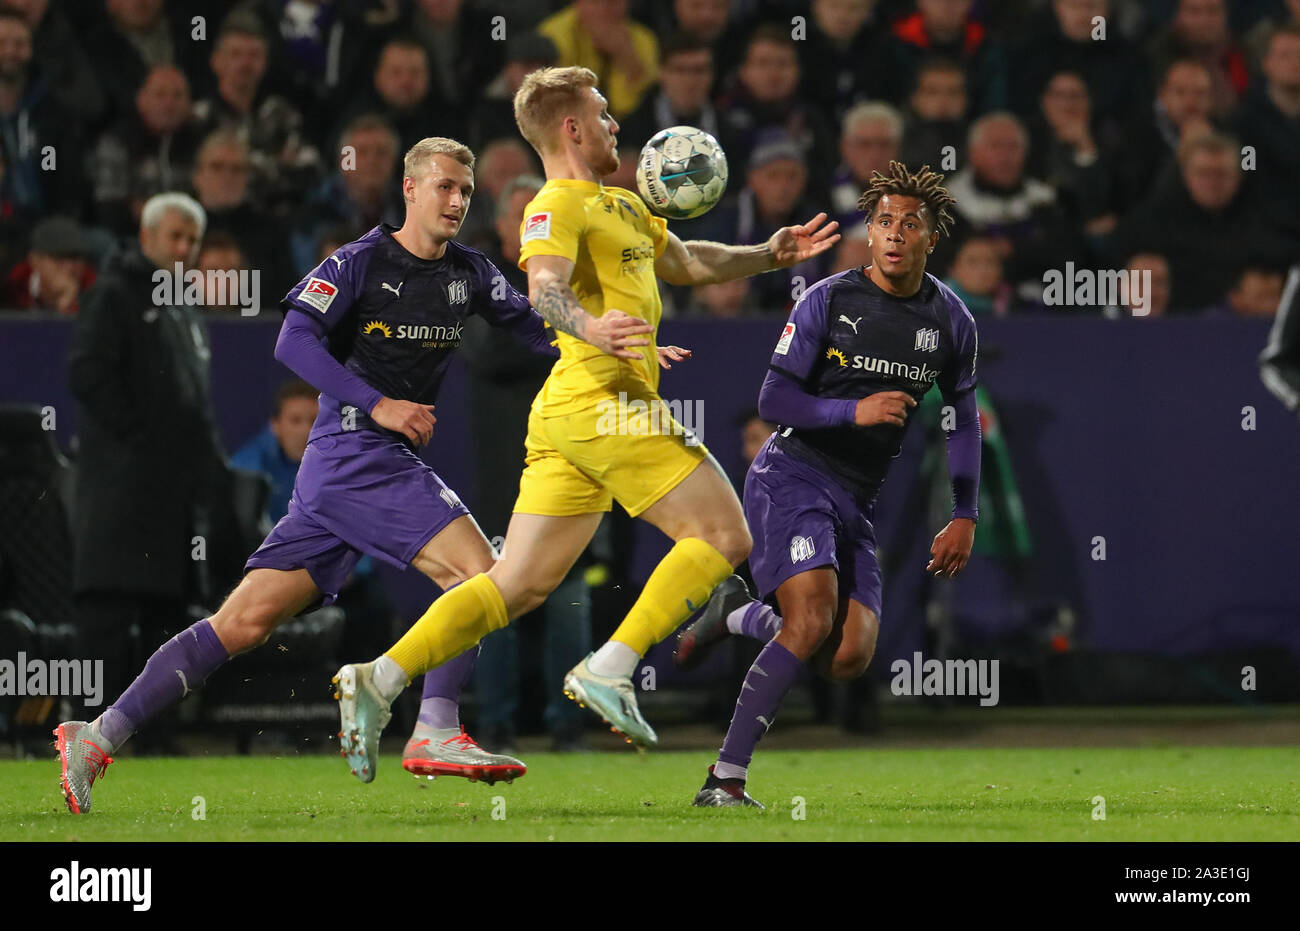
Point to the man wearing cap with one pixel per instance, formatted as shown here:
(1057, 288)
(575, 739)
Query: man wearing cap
(55, 273)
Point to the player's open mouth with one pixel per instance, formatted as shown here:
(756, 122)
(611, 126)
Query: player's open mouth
(894, 256)
(452, 217)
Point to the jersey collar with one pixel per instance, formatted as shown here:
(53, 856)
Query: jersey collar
(591, 187)
(402, 255)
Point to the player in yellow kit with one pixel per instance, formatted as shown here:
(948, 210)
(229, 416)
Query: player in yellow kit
(594, 256)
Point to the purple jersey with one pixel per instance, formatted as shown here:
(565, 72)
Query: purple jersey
(848, 339)
(394, 319)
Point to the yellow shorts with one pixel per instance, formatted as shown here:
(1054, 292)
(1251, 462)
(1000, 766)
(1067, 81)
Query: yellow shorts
(634, 453)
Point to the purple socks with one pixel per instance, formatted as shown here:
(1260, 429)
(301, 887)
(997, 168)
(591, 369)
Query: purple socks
(766, 683)
(440, 701)
(754, 620)
(178, 667)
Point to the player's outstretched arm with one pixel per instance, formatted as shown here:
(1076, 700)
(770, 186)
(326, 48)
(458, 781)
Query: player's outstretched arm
(615, 332)
(699, 262)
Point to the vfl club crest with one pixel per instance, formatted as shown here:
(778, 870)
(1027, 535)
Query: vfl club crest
(927, 340)
(801, 548)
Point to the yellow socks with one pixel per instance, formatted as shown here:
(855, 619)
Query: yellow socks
(679, 586)
(455, 622)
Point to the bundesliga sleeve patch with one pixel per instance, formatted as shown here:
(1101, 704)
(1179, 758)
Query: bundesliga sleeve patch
(318, 293)
(538, 226)
(787, 337)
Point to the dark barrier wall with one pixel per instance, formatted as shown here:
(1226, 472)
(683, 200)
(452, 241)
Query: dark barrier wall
(1131, 431)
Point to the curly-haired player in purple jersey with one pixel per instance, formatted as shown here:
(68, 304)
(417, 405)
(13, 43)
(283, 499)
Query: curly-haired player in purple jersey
(860, 350)
(373, 327)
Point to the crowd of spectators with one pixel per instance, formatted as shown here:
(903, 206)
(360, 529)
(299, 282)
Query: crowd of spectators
(1156, 135)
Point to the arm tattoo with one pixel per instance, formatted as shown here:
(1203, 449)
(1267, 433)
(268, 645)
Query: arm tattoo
(559, 306)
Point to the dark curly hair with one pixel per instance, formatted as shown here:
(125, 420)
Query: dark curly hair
(925, 185)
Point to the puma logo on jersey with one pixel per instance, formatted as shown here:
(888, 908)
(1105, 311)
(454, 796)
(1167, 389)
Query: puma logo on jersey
(852, 323)
(338, 260)
(388, 287)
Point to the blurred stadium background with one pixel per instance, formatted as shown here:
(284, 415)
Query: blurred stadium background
(1139, 498)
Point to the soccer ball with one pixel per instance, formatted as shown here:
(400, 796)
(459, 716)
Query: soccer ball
(681, 172)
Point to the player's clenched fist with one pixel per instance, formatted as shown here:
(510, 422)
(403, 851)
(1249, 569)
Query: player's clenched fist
(883, 407)
(617, 333)
(413, 421)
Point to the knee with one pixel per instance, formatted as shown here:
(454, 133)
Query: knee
(809, 625)
(245, 627)
(846, 668)
(733, 543)
(521, 593)
(461, 569)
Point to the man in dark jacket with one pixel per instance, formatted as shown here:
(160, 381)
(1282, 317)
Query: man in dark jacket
(144, 154)
(39, 142)
(148, 455)
(1207, 224)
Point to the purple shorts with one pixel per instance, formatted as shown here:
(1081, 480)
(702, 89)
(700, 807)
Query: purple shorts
(357, 493)
(802, 519)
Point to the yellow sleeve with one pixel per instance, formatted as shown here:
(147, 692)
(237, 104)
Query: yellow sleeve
(554, 223)
(658, 231)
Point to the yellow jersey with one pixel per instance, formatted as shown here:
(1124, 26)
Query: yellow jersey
(613, 240)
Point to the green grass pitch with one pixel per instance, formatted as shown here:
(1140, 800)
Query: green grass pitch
(1151, 794)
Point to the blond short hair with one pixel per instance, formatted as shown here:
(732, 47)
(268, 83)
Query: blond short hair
(546, 97)
(416, 163)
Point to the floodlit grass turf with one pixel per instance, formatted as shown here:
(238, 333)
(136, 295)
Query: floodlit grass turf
(1164, 793)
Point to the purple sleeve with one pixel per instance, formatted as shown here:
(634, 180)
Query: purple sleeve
(502, 305)
(804, 338)
(959, 376)
(327, 293)
(782, 401)
(957, 384)
(964, 444)
(301, 347)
